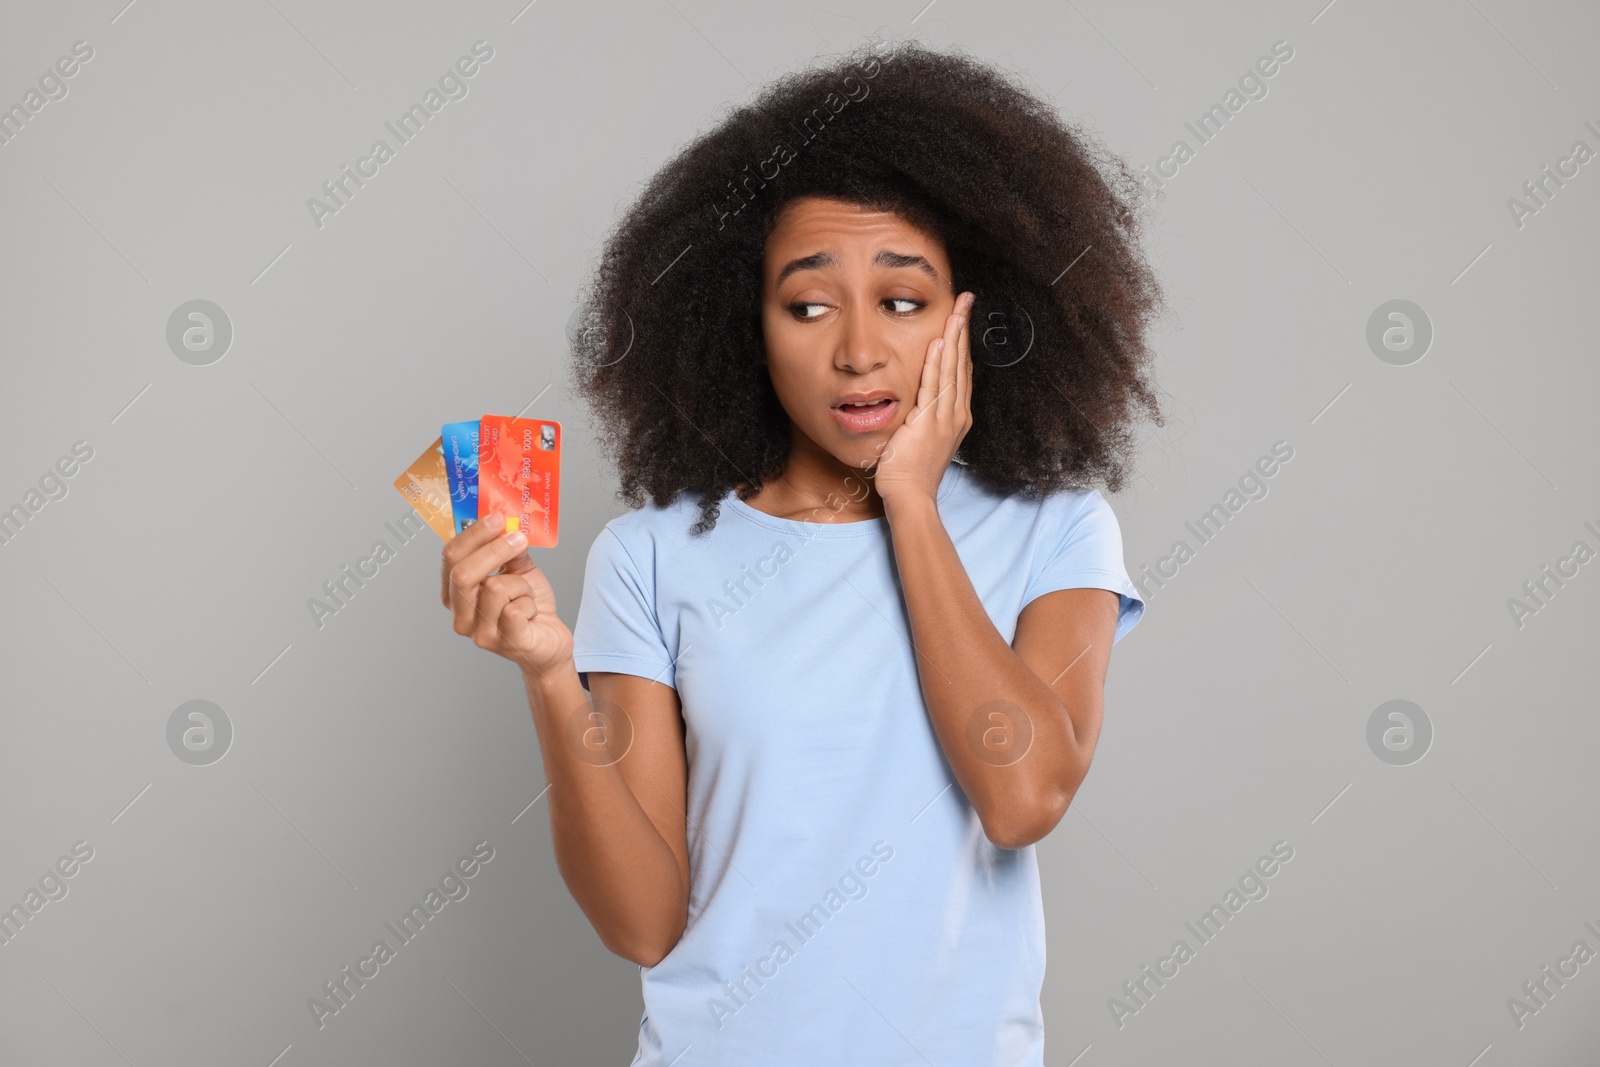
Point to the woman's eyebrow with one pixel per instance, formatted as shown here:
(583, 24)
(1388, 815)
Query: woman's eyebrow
(884, 258)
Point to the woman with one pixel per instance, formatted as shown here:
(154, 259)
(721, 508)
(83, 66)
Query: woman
(831, 681)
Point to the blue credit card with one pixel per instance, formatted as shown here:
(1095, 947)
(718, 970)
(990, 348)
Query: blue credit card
(460, 443)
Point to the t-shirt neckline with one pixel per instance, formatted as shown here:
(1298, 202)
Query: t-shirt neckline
(807, 530)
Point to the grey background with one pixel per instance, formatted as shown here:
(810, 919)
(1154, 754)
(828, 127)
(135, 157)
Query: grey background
(370, 754)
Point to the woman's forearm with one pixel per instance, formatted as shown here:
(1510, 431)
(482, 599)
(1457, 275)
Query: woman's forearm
(616, 864)
(979, 690)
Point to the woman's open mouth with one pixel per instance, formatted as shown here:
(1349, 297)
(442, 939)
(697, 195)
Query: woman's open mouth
(865, 417)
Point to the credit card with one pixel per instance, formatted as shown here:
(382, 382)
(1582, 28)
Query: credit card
(460, 441)
(426, 485)
(519, 474)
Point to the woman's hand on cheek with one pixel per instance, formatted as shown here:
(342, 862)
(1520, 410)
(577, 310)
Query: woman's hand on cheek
(918, 453)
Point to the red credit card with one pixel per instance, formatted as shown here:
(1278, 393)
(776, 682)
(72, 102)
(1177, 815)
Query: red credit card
(519, 474)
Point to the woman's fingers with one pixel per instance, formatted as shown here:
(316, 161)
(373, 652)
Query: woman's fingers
(515, 622)
(495, 594)
(519, 565)
(963, 402)
(464, 544)
(466, 576)
(950, 367)
(928, 384)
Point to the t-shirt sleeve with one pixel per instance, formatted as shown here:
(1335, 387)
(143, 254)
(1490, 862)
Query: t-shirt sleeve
(617, 628)
(1087, 554)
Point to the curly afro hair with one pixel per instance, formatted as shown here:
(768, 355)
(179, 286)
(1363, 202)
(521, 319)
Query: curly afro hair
(1037, 221)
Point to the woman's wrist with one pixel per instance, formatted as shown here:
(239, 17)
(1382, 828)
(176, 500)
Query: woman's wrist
(546, 675)
(912, 506)
(551, 685)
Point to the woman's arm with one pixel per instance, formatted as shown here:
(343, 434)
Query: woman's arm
(1019, 746)
(615, 766)
(1018, 724)
(617, 804)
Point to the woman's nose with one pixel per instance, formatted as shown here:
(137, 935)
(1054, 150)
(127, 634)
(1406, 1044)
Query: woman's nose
(862, 347)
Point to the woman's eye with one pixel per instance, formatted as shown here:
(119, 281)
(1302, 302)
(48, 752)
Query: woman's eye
(798, 309)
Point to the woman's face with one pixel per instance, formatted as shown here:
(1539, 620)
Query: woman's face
(851, 299)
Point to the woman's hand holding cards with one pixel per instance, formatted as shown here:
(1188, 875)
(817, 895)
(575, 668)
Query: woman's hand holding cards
(500, 598)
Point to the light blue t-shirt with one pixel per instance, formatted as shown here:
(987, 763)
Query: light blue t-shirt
(845, 906)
